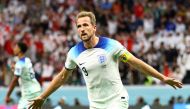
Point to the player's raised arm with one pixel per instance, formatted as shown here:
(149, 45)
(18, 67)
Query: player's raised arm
(147, 69)
(11, 88)
(13, 83)
(54, 85)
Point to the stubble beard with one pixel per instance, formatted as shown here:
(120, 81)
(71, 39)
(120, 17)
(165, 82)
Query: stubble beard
(86, 40)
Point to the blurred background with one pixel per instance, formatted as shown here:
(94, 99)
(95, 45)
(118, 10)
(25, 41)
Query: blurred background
(156, 31)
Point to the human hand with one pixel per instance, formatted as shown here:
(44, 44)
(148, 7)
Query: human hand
(172, 82)
(36, 103)
(7, 100)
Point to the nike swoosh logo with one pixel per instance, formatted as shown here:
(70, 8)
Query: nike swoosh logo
(82, 63)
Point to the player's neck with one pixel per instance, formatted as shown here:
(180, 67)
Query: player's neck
(20, 55)
(92, 42)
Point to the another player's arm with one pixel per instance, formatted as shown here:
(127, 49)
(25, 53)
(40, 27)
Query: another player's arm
(11, 88)
(54, 85)
(56, 82)
(147, 69)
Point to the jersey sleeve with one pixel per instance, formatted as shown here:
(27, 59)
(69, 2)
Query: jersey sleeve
(120, 50)
(18, 69)
(70, 64)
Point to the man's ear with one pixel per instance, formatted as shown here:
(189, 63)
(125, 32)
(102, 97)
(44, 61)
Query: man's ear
(94, 26)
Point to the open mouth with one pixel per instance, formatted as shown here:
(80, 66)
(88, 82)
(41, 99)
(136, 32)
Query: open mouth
(83, 34)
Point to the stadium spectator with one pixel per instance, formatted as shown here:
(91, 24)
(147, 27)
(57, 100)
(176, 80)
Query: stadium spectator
(186, 63)
(62, 104)
(180, 100)
(77, 102)
(188, 100)
(140, 103)
(156, 104)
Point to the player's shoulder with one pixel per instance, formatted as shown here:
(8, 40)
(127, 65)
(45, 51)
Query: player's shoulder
(23, 61)
(108, 42)
(78, 46)
(104, 43)
(77, 49)
(27, 59)
(105, 38)
(20, 62)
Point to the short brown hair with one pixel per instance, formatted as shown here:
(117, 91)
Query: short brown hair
(87, 14)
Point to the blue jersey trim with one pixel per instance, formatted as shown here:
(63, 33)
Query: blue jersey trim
(103, 42)
(22, 59)
(79, 48)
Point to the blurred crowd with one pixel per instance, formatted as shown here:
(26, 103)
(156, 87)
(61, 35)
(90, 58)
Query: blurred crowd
(156, 31)
(140, 104)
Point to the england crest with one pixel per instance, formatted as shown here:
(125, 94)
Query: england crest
(101, 59)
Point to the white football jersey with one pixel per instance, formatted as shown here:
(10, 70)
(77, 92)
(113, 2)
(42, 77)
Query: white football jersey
(27, 81)
(100, 69)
